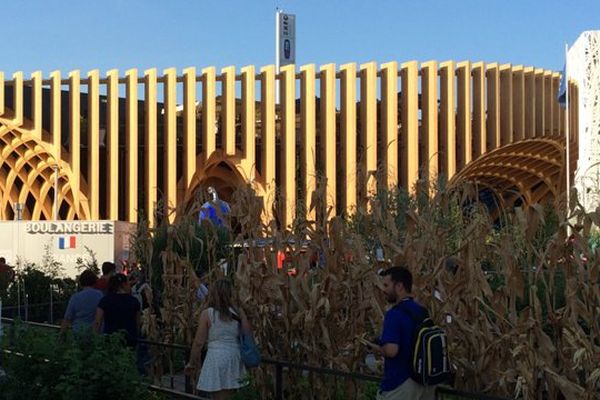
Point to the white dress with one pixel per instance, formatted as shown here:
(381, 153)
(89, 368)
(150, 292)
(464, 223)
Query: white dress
(223, 368)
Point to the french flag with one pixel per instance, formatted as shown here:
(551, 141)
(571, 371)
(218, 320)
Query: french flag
(66, 242)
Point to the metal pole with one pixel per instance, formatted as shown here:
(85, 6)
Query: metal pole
(277, 54)
(567, 136)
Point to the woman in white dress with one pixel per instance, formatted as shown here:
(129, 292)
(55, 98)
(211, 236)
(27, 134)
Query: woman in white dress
(219, 327)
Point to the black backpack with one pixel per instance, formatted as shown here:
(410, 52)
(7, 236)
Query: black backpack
(429, 364)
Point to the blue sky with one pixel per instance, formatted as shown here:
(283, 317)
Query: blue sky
(51, 34)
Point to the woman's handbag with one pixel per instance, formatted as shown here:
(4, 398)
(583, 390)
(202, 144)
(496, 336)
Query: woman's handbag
(248, 349)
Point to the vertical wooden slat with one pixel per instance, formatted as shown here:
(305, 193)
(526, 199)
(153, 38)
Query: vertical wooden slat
(493, 107)
(1, 93)
(447, 141)
(506, 104)
(209, 138)
(268, 123)
(479, 111)
(112, 84)
(170, 140)
(36, 103)
(288, 144)
(389, 123)
(549, 101)
(189, 126)
(540, 127)
(74, 133)
(18, 98)
(409, 136)
(559, 114)
(429, 133)
(556, 108)
(93, 133)
(308, 128)
(529, 100)
(464, 135)
(348, 136)
(249, 120)
(228, 110)
(327, 129)
(518, 103)
(368, 128)
(131, 143)
(55, 115)
(150, 139)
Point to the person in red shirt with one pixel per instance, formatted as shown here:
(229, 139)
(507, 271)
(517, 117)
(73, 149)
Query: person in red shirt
(108, 270)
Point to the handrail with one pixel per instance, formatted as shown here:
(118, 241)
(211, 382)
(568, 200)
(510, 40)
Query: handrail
(279, 365)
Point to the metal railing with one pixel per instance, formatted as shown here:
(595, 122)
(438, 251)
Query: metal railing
(442, 392)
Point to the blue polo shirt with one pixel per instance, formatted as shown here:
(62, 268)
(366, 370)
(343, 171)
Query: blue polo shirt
(81, 310)
(399, 328)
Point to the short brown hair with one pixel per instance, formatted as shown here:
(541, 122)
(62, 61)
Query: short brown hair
(87, 278)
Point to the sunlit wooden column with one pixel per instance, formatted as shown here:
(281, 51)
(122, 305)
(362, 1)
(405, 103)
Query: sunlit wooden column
(506, 104)
(209, 121)
(549, 101)
(131, 143)
(18, 98)
(327, 129)
(540, 126)
(518, 103)
(493, 107)
(228, 110)
(557, 115)
(429, 118)
(267, 112)
(93, 133)
(249, 120)
(479, 111)
(409, 134)
(368, 129)
(529, 102)
(447, 139)
(150, 142)
(112, 143)
(389, 123)
(75, 134)
(348, 136)
(189, 126)
(288, 144)
(463, 112)
(170, 141)
(308, 129)
(36, 103)
(1, 93)
(55, 112)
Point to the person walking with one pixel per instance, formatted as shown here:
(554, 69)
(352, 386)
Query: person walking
(219, 327)
(7, 275)
(397, 339)
(108, 270)
(119, 310)
(81, 309)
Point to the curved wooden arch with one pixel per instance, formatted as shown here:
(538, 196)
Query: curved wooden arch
(30, 161)
(536, 167)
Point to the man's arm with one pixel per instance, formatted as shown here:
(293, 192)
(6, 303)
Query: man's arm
(99, 319)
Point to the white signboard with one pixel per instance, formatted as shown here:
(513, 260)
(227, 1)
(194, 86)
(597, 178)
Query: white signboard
(64, 241)
(287, 39)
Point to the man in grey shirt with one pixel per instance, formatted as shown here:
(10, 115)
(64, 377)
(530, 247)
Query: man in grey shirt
(81, 310)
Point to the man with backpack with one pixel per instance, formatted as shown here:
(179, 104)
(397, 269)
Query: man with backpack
(412, 347)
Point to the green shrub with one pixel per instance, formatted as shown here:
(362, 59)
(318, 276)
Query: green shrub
(42, 366)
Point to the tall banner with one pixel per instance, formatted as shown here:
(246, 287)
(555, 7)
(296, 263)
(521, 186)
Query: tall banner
(287, 39)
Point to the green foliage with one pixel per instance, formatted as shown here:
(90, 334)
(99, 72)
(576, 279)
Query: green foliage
(89, 262)
(43, 366)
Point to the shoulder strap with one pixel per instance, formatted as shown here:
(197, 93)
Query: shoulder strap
(416, 319)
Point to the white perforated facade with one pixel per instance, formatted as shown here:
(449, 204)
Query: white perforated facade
(584, 68)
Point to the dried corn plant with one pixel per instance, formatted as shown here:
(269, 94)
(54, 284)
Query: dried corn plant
(521, 303)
